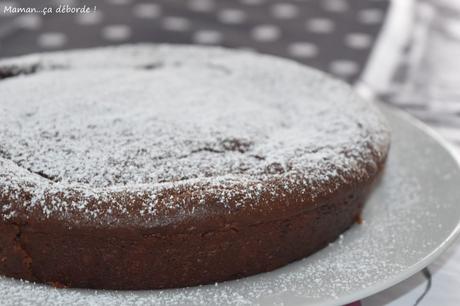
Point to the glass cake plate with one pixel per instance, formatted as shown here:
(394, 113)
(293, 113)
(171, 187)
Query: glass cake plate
(410, 218)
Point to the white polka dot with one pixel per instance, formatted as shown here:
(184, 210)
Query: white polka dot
(201, 5)
(231, 16)
(370, 16)
(66, 2)
(146, 10)
(252, 2)
(320, 25)
(303, 49)
(119, 2)
(452, 29)
(92, 18)
(344, 67)
(116, 32)
(337, 6)
(266, 32)
(207, 37)
(284, 10)
(51, 40)
(173, 23)
(358, 40)
(29, 21)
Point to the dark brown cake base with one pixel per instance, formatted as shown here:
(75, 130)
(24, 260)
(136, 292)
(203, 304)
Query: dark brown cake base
(169, 166)
(126, 258)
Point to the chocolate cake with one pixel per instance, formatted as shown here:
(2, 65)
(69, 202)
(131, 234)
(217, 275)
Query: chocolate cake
(142, 167)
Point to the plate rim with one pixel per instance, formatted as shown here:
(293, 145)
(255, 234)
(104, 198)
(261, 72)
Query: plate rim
(430, 257)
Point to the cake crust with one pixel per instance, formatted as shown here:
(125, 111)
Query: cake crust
(143, 167)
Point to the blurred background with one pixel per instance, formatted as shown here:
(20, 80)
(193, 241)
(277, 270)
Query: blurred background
(332, 35)
(402, 52)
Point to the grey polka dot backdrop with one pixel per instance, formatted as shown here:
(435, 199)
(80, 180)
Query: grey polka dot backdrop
(335, 36)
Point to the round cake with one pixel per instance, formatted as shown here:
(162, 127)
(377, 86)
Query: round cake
(157, 166)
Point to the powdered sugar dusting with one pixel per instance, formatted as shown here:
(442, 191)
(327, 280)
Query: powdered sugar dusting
(400, 231)
(132, 121)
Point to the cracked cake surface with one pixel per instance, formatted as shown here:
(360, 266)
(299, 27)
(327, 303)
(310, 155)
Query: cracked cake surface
(159, 166)
(136, 122)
